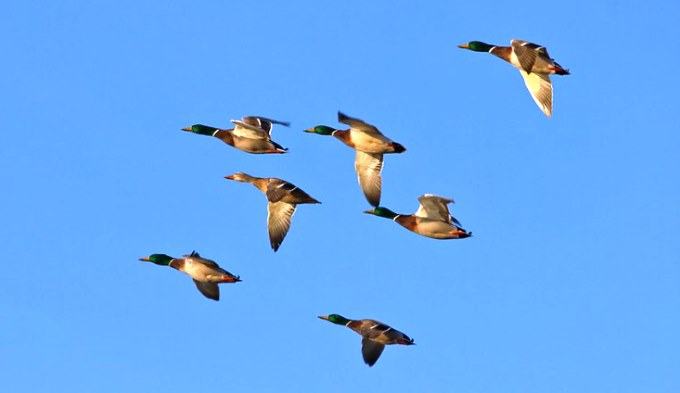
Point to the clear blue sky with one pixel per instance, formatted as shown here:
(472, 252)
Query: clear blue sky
(571, 282)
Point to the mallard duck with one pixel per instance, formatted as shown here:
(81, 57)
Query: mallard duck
(206, 273)
(283, 198)
(251, 134)
(533, 63)
(375, 335)
(432, 219)
(370, 145)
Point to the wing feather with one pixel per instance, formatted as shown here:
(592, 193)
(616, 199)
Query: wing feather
(208, 289)
(371, 351)
(369, 167)
(357, 124)
(246, 130)
(541, 90)
(279, 215)
(434, 207)
(263, 122)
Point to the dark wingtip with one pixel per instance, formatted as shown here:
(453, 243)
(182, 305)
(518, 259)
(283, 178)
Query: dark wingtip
(372, 202)
(341, 116)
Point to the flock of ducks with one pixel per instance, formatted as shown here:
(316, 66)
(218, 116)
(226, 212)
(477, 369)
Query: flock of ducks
(252, 134)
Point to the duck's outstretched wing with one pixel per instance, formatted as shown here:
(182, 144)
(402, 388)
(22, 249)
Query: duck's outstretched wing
(371, 351)
(358, 124)
(208, 289)
(434, 207)
(246, 130)
(263, 122)
(369, 167)
(540, 88)
(279, 216)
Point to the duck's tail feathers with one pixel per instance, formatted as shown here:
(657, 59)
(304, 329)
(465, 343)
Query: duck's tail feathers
(398, 147)
(559, 70)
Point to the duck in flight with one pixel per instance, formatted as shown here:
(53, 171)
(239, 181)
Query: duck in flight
(251, 134)
(370, 145)
(533, 63)
(282, 197)
(206, 273)
(375, 335)
(432, 219)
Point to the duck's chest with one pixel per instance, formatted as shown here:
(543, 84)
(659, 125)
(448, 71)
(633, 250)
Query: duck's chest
(408, 222)
(196, 270)
(511, 57)
(506, 53)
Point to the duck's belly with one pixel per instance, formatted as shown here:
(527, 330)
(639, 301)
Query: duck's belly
(253, 145)
(434, 229)
(370, 143)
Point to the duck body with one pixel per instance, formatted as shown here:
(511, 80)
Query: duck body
(379, 332)
(202, 269)
(432, 219)
(282, 197)
(375, 335)
(251, 134)
(529, 57)
(206, 273)
(370, 145)
(534, 64)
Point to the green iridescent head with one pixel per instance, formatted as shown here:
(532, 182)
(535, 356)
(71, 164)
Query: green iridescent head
(336, 319)
(321, 130)
(477, 46)
(382, 212)
(200, 129)
(158, 259)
